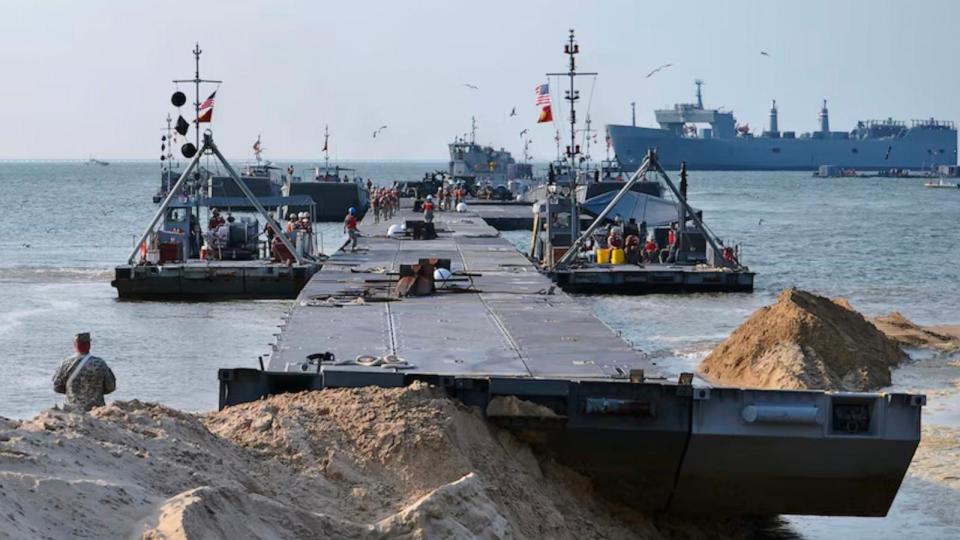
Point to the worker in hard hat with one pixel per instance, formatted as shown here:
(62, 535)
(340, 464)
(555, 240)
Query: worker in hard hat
(350, 227)
(216, 220)
(305, 222)
(428, 209)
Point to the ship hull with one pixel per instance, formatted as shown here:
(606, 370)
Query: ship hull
(916, 149)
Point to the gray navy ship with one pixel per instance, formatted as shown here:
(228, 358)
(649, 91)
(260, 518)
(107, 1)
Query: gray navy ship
(479, 165)
(725, 145)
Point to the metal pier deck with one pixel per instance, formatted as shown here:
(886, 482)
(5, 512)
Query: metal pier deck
(512, 327)
(656, 445)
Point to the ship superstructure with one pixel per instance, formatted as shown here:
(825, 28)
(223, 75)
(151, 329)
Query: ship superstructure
(481, 165)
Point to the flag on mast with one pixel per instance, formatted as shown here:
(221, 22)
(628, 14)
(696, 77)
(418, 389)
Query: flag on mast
(542, 92)
(206, 109)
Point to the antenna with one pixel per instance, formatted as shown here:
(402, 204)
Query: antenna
(326, 148)
(473, 130)
(169, 141)
(196, 83)
(572, 49)
(699, 83)
(633, 113)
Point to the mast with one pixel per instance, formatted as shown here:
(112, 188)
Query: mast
(473, 130)
(572, 49)
(587, 134)
(633, 113)
(169, 142)
(196, 86)
(699, 83)
(326, 149)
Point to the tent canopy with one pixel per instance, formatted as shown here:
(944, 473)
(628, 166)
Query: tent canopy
(655, 211)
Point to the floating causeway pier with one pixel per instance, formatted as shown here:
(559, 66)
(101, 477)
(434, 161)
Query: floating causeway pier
(500, 330)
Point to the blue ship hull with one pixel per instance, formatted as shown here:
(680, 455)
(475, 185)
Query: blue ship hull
(914, 149)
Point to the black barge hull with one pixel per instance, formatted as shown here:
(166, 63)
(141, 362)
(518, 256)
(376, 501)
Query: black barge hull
(635, 280)
(201, 283)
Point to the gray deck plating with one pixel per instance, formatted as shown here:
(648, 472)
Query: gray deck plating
(518, 324)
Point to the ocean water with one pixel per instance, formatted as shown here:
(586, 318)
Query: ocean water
(884, 244)
(63, 227)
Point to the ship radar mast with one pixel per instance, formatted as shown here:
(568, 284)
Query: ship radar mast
(473, 130)
(196, 83)
(572, 49)
(699, 83)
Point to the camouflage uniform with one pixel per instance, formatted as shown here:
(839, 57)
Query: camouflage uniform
(86, 389)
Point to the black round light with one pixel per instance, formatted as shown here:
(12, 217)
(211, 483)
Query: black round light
(178, 98)
(188, 150)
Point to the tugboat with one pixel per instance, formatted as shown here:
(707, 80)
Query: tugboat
(174, 259)
(665, 248)
(332, 193)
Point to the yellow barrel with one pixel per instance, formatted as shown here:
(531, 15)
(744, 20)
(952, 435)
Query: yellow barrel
(603, 255)
(617, 256)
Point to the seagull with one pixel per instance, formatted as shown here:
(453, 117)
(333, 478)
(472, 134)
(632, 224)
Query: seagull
(664, 66)
(471, 86)
(513, 111)
(764, 53)
(522, 132)
(378, 130)
(760, 222)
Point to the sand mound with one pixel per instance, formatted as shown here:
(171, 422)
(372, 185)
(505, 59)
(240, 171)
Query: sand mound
(352, 463)
(904, 331)
(805, 341)
(412, 463)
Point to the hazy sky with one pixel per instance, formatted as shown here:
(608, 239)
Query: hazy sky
(92, 78)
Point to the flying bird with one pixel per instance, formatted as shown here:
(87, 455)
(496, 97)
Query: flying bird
(378, 130)
(764, 53)
(523, 132)
(471, 86)
(664, 66)
(513, 111)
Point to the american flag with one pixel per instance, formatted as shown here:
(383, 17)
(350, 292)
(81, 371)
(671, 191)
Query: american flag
(206, 109)
(543, 95)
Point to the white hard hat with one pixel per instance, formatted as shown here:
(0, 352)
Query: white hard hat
(395, 230)
(442, 274)
(462, 207)
(429, 197)
(293, 215)
(304, 214)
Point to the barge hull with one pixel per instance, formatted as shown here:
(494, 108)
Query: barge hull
(204, 283)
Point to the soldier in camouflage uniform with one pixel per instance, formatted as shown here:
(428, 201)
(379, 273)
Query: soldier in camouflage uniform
(84, 378)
